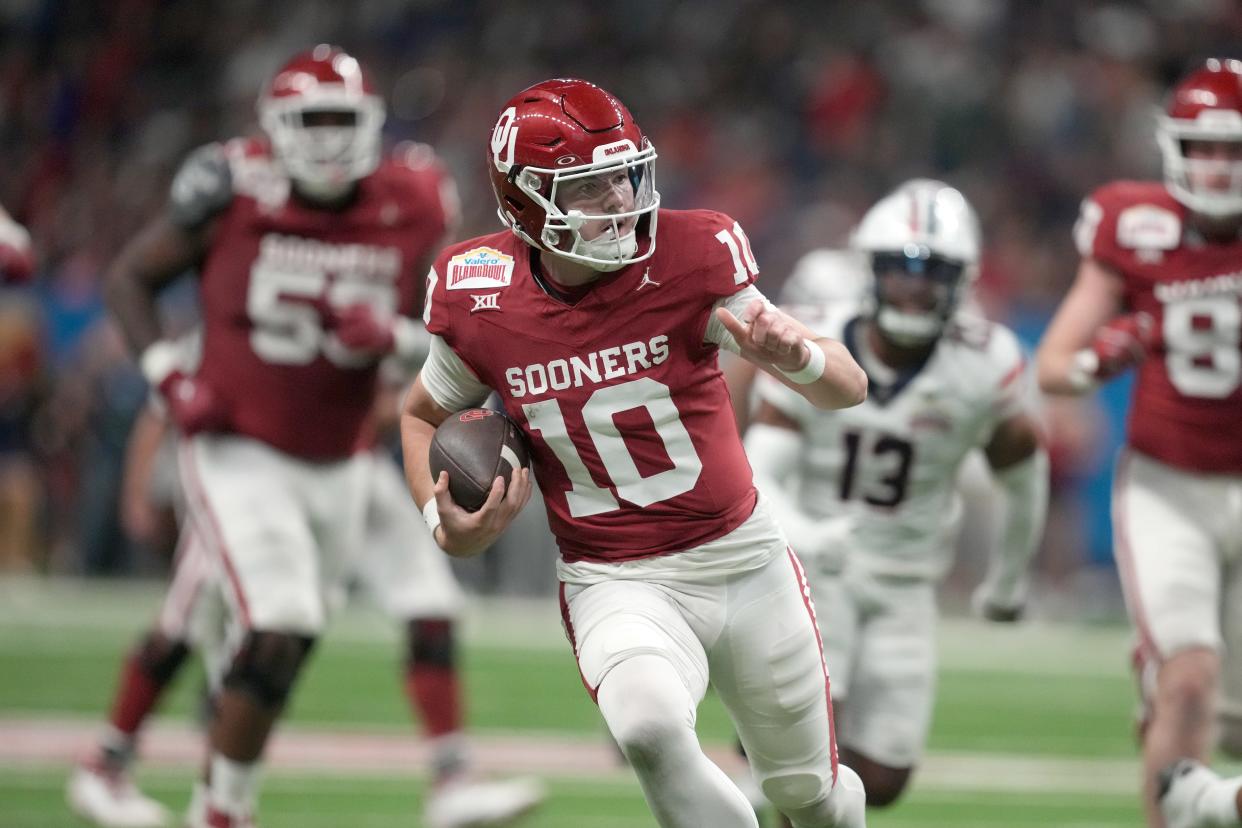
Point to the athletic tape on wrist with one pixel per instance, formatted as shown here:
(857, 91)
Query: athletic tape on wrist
(431, 514)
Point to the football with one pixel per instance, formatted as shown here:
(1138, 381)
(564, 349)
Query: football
(475, 447)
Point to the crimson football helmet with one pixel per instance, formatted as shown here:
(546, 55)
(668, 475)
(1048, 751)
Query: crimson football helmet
(1204, 106)
(324, 119)
(566, 130)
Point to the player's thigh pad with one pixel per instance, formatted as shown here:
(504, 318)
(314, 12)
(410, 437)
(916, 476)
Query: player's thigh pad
(1169, 561)
(612, 621)
(401, 566)
(888, 712)
(768, 668)
(249, 503)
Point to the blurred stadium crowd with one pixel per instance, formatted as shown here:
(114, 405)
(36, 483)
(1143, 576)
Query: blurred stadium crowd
(791, 116)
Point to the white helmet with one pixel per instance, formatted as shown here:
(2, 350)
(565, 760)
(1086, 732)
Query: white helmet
(324, 159)
(925, 229)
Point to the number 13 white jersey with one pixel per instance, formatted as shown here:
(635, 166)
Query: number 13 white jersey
(891, 462)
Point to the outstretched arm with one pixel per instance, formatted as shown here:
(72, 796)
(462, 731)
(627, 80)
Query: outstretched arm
(818, 368)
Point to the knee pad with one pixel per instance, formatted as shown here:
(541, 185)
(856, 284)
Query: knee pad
(648, 710)
(267, 665)
(429, 643)
(811, 799)
(161, 658)
(794, 790)
(848, 799)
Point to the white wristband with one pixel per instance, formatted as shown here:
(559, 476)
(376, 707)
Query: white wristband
(1082, 370)
(814, 368)
(431, 514)
(159, 360)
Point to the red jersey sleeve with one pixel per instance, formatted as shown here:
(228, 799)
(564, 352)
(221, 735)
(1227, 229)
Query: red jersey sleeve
(728, 263)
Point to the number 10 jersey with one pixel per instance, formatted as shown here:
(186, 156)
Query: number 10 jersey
(631, 429)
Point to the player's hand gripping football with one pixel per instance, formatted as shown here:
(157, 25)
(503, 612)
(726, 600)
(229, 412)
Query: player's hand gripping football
(462, 533)
(767, 335)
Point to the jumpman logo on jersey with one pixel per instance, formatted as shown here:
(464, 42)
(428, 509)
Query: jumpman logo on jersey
(647, 280)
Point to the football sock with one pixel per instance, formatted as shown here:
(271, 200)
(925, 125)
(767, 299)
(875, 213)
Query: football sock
(431, 681)
(651, 715)
(449, 756)
(138, 691)
(434, 693)
(233, 785)
(116, 749)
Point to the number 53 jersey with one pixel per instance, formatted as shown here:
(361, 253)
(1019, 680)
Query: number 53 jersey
(619, 393)
(276, 273)
(1188, 399)
(890, 463)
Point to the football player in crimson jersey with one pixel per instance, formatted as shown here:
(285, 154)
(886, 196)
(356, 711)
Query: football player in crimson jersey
(403, 571)
(310, 248)
(1160, 290)
(601, 338)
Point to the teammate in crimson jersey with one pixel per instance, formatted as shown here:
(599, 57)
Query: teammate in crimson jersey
(1159, 289)
(602, 346)
(310, 249)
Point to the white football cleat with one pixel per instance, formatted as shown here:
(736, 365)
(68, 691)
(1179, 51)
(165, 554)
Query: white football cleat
(111, 800)
(472, 803)
(1182, 788)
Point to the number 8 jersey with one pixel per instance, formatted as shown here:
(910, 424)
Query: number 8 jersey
(619, 393)
(1188, 401)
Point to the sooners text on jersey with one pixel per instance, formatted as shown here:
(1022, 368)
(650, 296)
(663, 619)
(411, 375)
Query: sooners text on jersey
(1188, 400)
(276, 269)
(631, 430)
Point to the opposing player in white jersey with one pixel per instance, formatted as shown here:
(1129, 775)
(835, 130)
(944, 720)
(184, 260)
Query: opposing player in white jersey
(871, 506)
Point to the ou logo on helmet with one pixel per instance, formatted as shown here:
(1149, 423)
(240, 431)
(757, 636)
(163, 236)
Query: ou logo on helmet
(504, 139)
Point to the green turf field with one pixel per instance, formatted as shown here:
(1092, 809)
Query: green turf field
(1032, 723)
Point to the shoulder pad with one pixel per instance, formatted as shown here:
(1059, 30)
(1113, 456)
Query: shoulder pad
(1127, 216)
(202, 187)
(720, 247)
